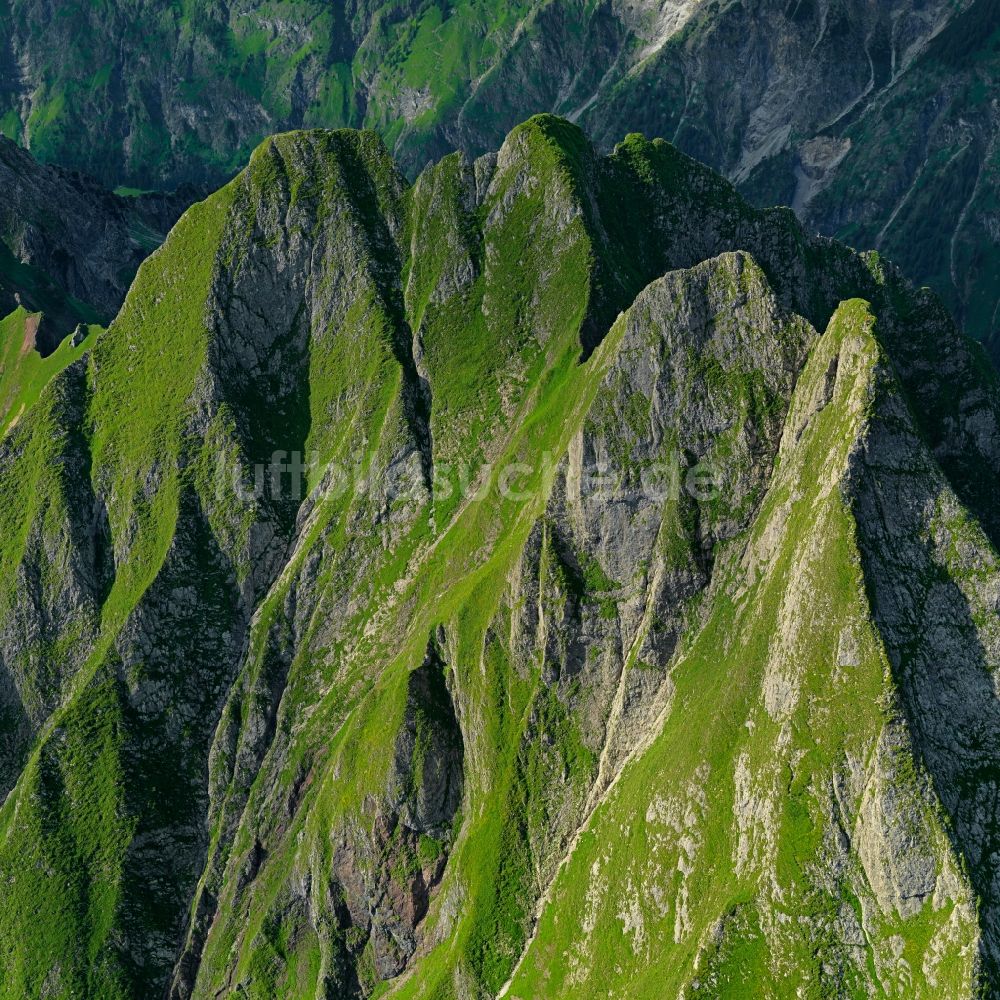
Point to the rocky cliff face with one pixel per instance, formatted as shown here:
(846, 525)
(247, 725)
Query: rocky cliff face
(551, 577)
(876, 122)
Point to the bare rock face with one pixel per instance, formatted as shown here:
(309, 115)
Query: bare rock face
(551, 578)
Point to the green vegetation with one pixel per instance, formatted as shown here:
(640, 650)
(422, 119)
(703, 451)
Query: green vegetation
(23, 371)
(745, 796)
(343, 740)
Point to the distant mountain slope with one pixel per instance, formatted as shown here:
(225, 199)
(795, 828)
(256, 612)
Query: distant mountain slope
(876, 121)
(553, 577)
(68, 248)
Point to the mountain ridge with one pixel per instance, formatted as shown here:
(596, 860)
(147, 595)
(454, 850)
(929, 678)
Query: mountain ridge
(876, 124)
(238, 707)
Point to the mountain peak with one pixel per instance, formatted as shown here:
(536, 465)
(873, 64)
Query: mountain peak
(396, 545)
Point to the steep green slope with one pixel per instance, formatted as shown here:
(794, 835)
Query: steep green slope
(23, 370)
(795, 846)
(393, 535)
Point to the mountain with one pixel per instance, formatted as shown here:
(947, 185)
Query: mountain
(69, 248)
(68, 252)
(554, 577)
(877, 122)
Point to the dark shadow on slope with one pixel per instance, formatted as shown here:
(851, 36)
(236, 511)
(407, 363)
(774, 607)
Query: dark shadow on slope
(384, 873)
(41, 663)
(16, 732)
(245, 734)
(177, 687)
(386, 269)
(940, 666)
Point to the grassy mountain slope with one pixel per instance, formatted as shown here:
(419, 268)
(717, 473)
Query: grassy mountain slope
(23, 370)
(794, 846)
(328, 727)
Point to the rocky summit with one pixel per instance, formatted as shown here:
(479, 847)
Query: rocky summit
(553, 577)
